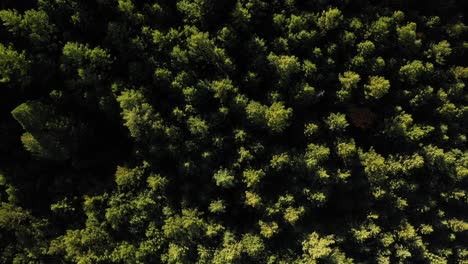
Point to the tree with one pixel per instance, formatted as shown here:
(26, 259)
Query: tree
(349, 81)
(376, 88)
(224, 178)
(197, 126)
(365, 48)
(414, 71)
(439, 51)
(256, 113)
(34, 24)
(407, 36)
(316, 247)
(45, 135)
(330, 19)
(278, 117)
(286, 66)
(374, 166)
(336, 122)
(253, 177)
(315, 155)
(13, 65)
(139, 115)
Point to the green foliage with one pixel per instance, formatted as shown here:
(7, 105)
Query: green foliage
(285, 66)
(253, 177)
(349, 81)
(224, 178)
(439, 51)
(278, 117)
(330, 19)
(407, 35)
(139, 115)
(374, 166)
(336, 122)
(13, 65)
(128, 178)
(217, 206)
(33, 24)
(316, 247)
(253, 131)
(310, 129)
(377, 87)
(46, 132)
(415, 70)
(268, 229)
(280, 161)
(197, 126)
(316, 154)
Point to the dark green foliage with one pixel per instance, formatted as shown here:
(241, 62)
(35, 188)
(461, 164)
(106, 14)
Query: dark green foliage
(239, 131)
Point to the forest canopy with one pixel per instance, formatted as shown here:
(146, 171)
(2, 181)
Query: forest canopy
(237, 131)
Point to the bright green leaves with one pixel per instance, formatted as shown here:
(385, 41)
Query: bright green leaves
(414, 71)
(315, 155)
(74, 53)
(186, 226)
(346, 149)
(128, 178)
(126, 6)
(374, 166)
(317, 249)
(11, 19)
(13, 65)
(349, 81)
(33, 24)
(366, 232)
(453, 163)
(197, 126)
(276, 117)
(268, 229)
(201, 47)
(252, 177)
(156, 182)
(139, 115)
(280, 161)
(330, 19)
(376, 87)
(217, 207)
(223, 89)
(252, 199)
(402, 125)
(379, 29)
(292, 215)
(252, 245)
(407, 36)
(234, 250)
(310, 129)
(192, 10)
(89, 65)
(256, 112)
(286, 66)
(365, 48)
(336, 122)
(224, 178)
(439, 51)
